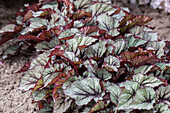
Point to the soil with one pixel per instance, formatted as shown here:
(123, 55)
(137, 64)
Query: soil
(13, 100)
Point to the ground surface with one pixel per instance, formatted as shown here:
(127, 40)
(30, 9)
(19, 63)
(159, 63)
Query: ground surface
(13, 100)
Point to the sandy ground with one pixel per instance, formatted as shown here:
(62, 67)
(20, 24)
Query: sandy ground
(13, 100)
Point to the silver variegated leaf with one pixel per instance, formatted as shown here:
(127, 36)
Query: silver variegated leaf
(158, 46)
(120, 46)
(82, 4)
(161, 108)
(134, 42)
(99, 8)
(127, 95)
(62, 103)
(42, 46)
(71, 56)
(90, 64)
(53, 6)
(78, 42)
(143, 69)
(68, 33)
(102, 74)
(35, 24)
(162, 66)
(147, 80)
(42, 59)
(100, 105)
(148, 35)
(111, 63)
(11, 50)
(50, 73)
(107, 22)
(163, 94)
(144, 99)
(31, 77)
(39, 95)
(97, 50)
(114, 90)
(84, 91)
(8, 28)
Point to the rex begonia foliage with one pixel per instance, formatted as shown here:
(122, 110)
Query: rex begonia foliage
(93, 57)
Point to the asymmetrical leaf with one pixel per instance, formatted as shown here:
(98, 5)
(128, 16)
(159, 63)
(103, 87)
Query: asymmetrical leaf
(114, 90)
(97, 50)
(11, 50)
(47, 45)
(80, 42)
(36, 23)
(135, 42)
(158, 46)
(161, 107)
(102, 74)
(127, 95)
(111, 63)
(68, 34)
(62, 104)
(163, 94)
(8, 28)
(149, 81)
(99, 8)
(144, 99)
(84, 91)
(107, 22)
(39, 95)
(143, 69)
(40, 60)
(120, 46)
(31, 77)
(82, 4)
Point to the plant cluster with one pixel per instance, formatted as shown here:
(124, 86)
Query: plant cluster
(155, 4)
(93, 57)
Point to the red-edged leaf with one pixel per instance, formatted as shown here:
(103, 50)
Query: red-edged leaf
(89, 29)
(9, 35)
(81, 13)
(56, 30)
(133, 21)
(69, 25)
(45, 36)
(24, 68)
(128, 55)
(126, 18)
(141, 60)
(59, 80)
(57, 52)
(141, 20)
(31, 37)
(6, 37)
(28, 15)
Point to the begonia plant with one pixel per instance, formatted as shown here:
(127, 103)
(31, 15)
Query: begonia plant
(93, 58)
